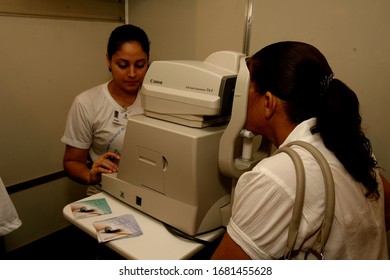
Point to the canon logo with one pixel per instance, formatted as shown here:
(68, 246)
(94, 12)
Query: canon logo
(152, 81)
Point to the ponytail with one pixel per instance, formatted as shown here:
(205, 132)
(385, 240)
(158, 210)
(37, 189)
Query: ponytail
(339, 124)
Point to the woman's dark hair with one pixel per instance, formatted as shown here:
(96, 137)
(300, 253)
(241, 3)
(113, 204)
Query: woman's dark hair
(127, 33)
(300, 75)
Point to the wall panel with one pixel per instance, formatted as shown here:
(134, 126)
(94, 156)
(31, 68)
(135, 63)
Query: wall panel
(45, 64)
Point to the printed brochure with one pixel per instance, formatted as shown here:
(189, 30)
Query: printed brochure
(90, 208)
(118, 227)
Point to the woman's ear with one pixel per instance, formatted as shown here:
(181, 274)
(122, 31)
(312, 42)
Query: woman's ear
(270, 105)
(108, 63)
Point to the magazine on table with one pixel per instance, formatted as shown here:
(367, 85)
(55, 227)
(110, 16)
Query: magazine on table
(90, 208)
(117, 227)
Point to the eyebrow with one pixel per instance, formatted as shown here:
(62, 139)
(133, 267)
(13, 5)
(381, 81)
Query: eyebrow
(125, 60)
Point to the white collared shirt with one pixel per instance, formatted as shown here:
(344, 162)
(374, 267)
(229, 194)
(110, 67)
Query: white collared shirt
(264, 198)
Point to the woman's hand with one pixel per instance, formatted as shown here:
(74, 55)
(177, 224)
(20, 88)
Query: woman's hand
(107, 163)
(76, 165)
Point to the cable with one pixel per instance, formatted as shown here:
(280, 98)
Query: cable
(184, 235)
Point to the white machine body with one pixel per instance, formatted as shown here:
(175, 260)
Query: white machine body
(171, 172)
(192, 93)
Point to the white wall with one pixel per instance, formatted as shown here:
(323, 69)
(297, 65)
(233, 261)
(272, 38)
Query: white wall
(45, 64)
(191, 29)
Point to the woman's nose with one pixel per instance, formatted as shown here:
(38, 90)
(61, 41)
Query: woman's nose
(131, 72)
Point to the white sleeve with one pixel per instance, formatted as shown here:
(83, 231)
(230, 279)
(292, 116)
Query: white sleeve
(261, 215)
(9, 219)
(78, 128)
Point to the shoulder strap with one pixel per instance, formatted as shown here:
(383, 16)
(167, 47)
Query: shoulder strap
(318, 246)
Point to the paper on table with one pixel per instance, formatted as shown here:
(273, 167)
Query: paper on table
(90, 208)
(117, 227)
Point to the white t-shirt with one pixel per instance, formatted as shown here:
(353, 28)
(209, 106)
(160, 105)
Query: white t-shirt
(9, 218)
(97, 122)
(264, 198)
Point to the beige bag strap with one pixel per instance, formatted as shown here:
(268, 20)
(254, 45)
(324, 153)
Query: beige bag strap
(318, 246)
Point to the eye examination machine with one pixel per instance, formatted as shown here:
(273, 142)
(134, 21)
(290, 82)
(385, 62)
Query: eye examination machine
(180, 159)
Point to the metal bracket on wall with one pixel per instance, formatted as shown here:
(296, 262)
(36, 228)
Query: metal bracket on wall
(248, 26)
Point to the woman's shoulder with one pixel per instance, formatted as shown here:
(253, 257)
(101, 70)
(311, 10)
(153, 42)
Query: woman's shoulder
(93, 92)
(276, 163)
(92, 95)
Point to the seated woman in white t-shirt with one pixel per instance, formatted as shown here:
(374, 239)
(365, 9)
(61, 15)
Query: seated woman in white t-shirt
(97, 120)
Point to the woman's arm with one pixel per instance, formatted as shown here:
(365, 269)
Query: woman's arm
(229, 250)
(75, 165)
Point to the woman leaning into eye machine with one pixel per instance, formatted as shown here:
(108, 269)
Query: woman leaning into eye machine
(294, 96)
